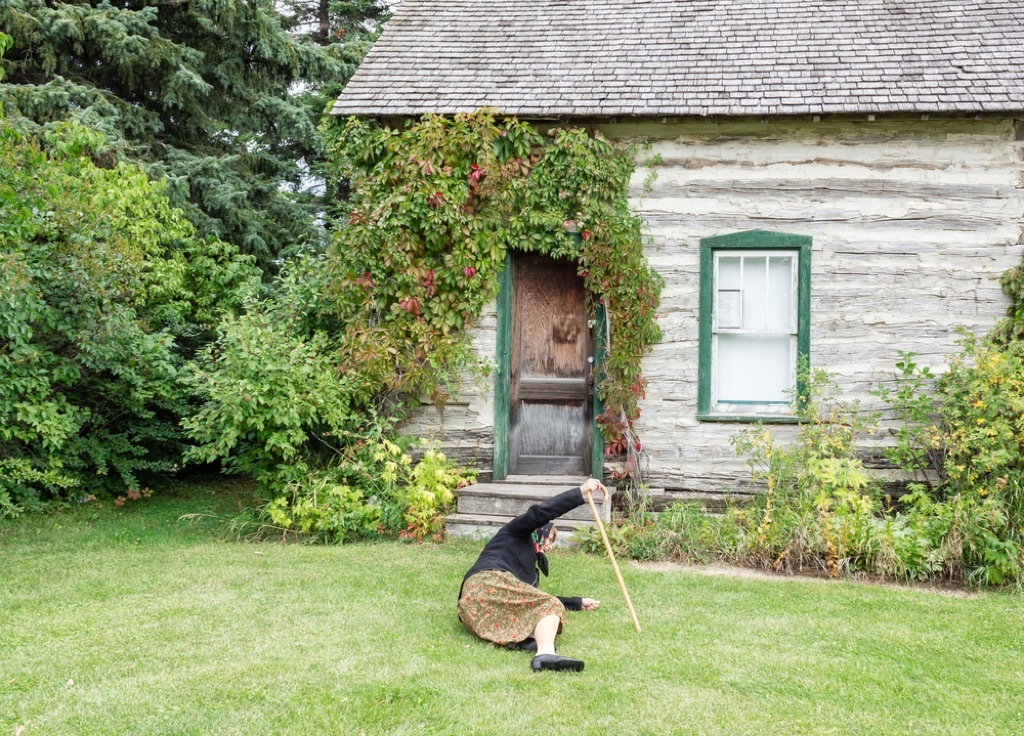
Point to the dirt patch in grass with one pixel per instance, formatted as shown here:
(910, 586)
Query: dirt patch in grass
(805, 577)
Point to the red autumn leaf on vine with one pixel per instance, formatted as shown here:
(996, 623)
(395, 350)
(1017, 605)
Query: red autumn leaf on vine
(411, 305)
(428, 283)
(366, 281)
(586, 235)
(355, 217)
(436, 199)
(475, 174)
(428, 168)
(469, 271)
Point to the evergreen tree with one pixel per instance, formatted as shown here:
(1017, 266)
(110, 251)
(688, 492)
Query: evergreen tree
(352, 22)
(199, 93)
(355, 24)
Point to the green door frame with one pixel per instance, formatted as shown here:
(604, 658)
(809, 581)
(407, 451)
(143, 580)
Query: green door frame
(503, 372)
(597, 439)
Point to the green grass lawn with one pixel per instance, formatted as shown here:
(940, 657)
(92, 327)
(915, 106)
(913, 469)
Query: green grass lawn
(128, 621)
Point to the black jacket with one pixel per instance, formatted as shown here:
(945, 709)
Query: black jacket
(511, 550)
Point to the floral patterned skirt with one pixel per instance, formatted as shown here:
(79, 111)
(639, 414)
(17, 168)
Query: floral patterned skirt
(498, 607)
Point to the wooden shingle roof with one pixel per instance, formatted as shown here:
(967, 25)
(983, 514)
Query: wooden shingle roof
(605, 58)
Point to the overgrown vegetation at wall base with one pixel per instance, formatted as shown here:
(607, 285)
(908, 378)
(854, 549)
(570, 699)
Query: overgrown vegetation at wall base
(375, 490)
(105, 290)
(822, 510)
(973, 441)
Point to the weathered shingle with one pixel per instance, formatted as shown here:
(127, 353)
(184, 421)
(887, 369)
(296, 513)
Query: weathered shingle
(608, 58)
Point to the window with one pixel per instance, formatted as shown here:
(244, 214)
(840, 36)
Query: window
(754, 324)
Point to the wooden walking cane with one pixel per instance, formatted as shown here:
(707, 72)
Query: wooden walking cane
(611, 556)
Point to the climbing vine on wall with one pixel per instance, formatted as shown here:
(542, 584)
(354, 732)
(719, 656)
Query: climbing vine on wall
(434, 208)
(1012, 282)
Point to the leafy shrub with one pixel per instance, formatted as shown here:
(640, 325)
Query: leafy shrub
(372, 489)
(982, 435)
(968, 427)
(982, 400)
(427, 492)
(274, 406)
(818, 499)
(92, 324)
(323, 509)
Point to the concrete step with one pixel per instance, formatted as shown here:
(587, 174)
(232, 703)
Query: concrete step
(475, 526)
(482, 508)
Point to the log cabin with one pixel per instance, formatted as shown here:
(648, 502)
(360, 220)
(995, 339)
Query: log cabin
(834, 180)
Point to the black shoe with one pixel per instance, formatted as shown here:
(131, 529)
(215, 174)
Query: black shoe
(526, 645)
(556, 662)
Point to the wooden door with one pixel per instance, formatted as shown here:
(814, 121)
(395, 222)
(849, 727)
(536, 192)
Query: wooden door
(550, 407)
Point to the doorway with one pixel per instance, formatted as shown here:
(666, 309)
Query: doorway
(550, 405)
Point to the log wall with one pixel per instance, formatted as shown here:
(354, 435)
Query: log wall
(464, 427)
(913, 221)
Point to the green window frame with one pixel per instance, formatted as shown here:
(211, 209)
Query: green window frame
(747, 330)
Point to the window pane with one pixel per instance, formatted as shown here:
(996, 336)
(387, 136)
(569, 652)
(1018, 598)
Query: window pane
(754, 369)
(728, 310)
(729, 273)
(780, 294)
(755, 293)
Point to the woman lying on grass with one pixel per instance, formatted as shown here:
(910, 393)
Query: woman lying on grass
(499, 600)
